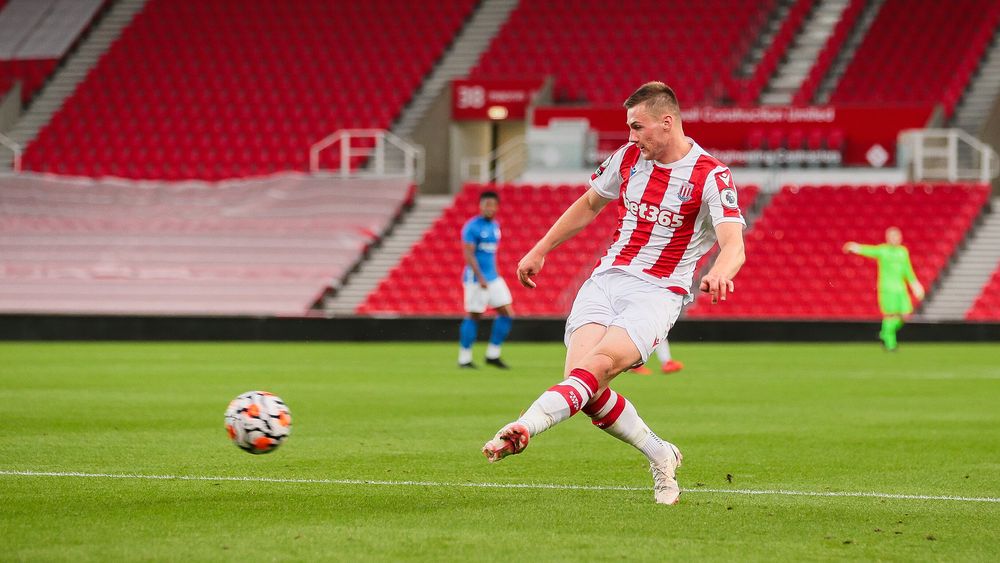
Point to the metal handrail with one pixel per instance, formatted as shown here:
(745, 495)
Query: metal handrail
(989, 161)
(413, 155)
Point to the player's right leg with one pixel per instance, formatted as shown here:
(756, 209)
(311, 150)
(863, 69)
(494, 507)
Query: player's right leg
(555, 405)
(584, 331)
(476, 299)
(890, 326)
(895, 304)
(611, 355)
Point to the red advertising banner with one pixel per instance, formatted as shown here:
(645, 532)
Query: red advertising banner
(492, 99)
(854, 135)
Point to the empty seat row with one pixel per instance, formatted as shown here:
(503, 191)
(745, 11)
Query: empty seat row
(588, 49)
(199, 77)
(933, 65)
(427, 281)
(796, 267)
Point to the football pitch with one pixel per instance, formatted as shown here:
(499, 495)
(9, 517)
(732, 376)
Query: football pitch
(116, 451)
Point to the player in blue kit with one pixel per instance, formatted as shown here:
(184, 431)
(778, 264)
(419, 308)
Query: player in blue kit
(483, 285)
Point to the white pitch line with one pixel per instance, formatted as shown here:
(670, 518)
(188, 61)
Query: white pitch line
(782, 492)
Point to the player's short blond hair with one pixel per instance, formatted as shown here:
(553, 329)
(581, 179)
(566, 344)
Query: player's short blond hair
(658, 97)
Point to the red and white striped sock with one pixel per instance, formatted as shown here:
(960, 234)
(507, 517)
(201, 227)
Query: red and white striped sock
(617, 416)
(559, 402)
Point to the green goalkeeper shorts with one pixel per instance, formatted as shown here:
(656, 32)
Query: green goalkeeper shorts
(895, 302)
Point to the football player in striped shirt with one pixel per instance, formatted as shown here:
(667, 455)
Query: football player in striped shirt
(674, 201)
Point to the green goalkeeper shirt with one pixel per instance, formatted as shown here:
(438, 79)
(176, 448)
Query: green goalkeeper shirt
(894, 267)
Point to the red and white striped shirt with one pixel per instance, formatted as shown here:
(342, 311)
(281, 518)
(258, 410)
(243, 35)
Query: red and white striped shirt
(666, 213)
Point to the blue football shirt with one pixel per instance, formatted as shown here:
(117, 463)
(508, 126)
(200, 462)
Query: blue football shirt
(484, 234)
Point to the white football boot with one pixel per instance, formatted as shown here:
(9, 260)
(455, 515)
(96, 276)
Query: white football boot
(665, 487)
(510, 440)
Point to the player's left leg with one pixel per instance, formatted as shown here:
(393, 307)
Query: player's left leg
(646, 318)
(617, 416)
(500, 299)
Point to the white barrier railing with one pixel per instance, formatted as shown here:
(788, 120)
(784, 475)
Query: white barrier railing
(947, 154)
(504, 164)
(15, 148)
(382, 154)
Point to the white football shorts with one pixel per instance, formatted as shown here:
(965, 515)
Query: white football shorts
(495, 294)
(615, 298)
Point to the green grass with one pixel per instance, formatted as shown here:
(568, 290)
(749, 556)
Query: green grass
(816, 418)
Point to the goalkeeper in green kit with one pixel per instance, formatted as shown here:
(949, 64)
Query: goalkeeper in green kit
(894, 273)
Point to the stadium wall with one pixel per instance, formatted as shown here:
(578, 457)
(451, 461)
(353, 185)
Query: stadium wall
(366, 329)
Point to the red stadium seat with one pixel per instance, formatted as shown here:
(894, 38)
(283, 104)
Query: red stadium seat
(797, 239)
(892, 65)
(987, 305)
(198, 76)
(527, 211)
(591, 37)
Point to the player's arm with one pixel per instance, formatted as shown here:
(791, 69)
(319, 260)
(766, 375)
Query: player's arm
(868, 251)
(577, 216)
(911, 278)
(718, 282)
(469, 251)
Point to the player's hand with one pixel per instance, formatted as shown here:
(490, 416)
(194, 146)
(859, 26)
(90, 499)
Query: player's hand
(483, 284)
(851, 247)
(918, 291)
(717, 286)
(528, 267)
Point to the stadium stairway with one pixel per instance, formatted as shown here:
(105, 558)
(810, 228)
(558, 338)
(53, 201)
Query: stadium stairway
(382, 258)
(803, 52)
(66, 79)
(766, 36)
(987, 305)
(975, 106)
(35, 35)
(839, 66)
(469, 44)
(970, 273)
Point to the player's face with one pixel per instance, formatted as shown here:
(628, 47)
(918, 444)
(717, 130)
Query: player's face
(893, 236)
(488, 207)
(651, 133)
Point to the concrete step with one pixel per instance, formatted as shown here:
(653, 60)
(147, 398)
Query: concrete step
(847, 50)
(962, 283)
(382, 258)
(468, 45)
